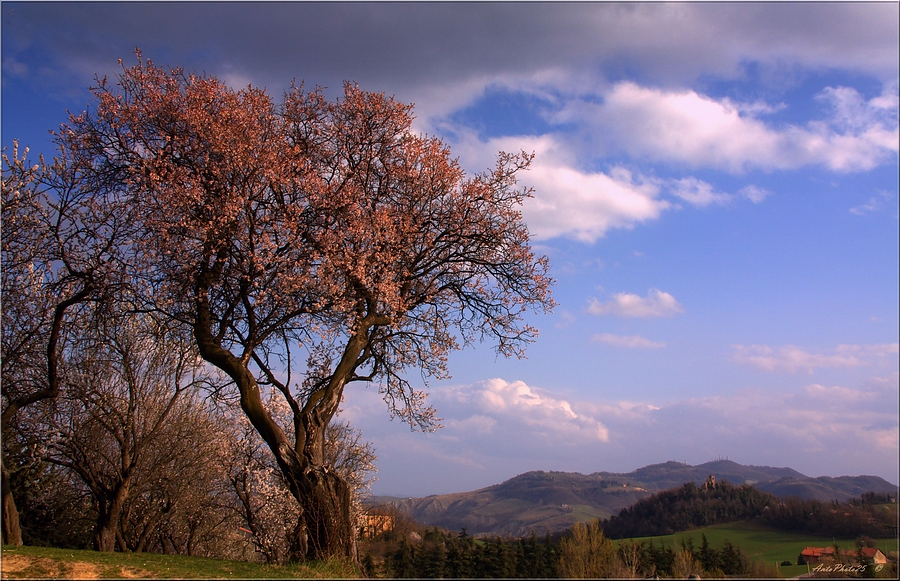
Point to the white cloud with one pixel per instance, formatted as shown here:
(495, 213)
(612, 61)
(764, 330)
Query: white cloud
(501, 406)
(628, 341)
(850, 112)
(14, 68)
(875, 204)
(499, 395)
(880, 350)
(793, 359)
(837, 394)
(568, 201)
(656, 304)
(870, 206)
(815, 429)
(477, 424)
(698, 193)
(680, 126)
(684, 126)
(754, 194)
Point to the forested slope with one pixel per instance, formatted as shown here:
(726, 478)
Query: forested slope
(688, 507)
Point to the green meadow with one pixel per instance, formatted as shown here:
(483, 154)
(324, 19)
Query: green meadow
(764, 544)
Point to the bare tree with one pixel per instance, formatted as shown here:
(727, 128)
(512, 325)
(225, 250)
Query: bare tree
(183, 502)
(64, 247)
(353, 459)
(630, 555)
(126, 414)
(265, 505)
(684, 565)
(587, 553)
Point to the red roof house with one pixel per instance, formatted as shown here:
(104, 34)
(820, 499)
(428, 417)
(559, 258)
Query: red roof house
(874, 555)
(814, 555)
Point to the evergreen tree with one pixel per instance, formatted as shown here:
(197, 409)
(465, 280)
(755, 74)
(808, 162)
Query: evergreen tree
(431, 559)
(466, 567)
(401, 563)
(708, 557)
(453, 566)
(507, 559)
(733, 561)
(549, 558)
(491, 563)
(524, 568)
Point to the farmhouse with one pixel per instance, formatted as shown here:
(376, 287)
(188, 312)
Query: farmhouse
(873, 555)
(814, 555)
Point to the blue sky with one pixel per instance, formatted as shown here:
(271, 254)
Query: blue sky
(716, 186)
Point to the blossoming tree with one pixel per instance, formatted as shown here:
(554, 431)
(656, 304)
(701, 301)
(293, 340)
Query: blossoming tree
(309, 244)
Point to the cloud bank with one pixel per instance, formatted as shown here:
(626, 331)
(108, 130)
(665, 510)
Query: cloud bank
(793, 359)
(699, 131)
(687, 131)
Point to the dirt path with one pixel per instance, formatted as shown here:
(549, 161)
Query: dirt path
(27, 567)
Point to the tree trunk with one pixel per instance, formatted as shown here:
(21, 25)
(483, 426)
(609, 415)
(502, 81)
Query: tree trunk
(105, 536)
(110, 511)
(12, 533)
(326, 527)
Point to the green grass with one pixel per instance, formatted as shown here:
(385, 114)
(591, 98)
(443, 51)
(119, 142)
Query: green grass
(764, 544)
(44, 562)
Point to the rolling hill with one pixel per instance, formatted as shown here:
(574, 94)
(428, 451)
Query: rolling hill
(825, 488)
(535, 501)
(548, 502)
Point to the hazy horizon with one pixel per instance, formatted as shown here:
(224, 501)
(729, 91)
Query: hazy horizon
(390, 495)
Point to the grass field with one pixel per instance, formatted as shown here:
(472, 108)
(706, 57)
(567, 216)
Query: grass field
(764, 544)
(46, 563)
(760, 543)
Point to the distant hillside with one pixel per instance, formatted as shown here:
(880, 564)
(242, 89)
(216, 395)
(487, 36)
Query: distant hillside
(535, 501)
(553, 501)
(674, 474)
(826, 489)
(688, 507)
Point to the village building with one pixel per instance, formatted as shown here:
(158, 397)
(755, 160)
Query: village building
(873, 555)
(376, 521)
(816, 555)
